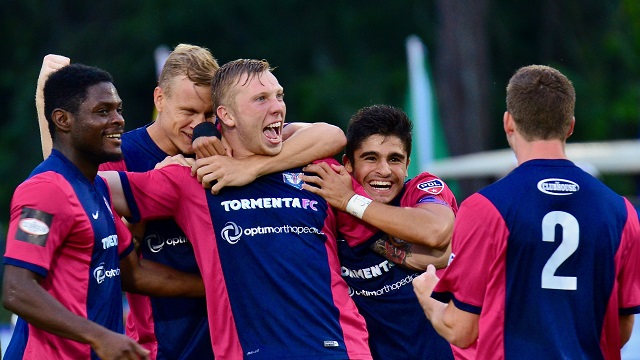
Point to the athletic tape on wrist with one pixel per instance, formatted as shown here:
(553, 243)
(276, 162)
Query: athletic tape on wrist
(357, 205)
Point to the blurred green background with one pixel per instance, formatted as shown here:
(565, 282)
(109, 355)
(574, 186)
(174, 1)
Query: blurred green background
(334, 57)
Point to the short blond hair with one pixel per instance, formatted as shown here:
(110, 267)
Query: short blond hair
(194, 62)
(230, 74)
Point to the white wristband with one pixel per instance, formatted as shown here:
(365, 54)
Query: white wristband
(357, 205)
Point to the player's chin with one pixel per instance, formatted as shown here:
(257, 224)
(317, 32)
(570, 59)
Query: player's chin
(272, 149)
(113, 155)
(383, 195)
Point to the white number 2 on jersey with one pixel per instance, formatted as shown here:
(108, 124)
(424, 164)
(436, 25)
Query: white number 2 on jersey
(569, 244)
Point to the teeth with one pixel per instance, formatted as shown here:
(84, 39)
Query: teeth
(380, 183)
(274, 125)
(114, 136)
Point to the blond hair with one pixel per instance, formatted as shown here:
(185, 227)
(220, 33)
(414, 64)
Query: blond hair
(194, 62)
(230, 75)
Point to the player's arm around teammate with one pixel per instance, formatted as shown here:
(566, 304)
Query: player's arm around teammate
(303, 143)
(423, 244)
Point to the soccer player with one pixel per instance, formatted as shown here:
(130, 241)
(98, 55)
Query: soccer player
(415, 219)
(68, 257)
(170, 328)
(177, 328)
(267, 250)
(547, 260)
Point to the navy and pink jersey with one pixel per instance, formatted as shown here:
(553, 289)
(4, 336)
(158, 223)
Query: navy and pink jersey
(548, 257)
(267, 254)
(63, 228)
(169, 327)
(382, 290)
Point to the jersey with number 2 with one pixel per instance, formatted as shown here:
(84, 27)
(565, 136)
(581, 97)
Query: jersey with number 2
(548, 256)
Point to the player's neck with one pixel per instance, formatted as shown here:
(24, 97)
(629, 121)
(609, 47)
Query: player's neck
(158, 136)
(88, 167)
(539, 149)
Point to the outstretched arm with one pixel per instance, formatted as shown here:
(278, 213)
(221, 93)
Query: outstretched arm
(304, 143)
(50, 64)
(23, 295)
(458, 327)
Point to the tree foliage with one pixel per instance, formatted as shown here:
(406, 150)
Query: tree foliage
(332, 57)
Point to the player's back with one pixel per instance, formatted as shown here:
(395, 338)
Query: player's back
(563, 256)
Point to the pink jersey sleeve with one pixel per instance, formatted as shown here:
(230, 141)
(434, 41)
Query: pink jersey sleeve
(155, 194)
(629, 275)
(427, 188)
(124, 235)
(479, 239)
(41, 218)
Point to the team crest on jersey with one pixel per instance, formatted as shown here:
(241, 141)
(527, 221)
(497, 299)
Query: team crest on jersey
(293, 179)
(433, 187)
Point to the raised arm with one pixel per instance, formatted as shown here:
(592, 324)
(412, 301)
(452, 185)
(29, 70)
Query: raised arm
(23, 295)
(303, 144)
(51, 63)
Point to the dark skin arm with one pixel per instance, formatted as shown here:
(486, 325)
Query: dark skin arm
(626, 327)
(151, 278)
(23, 295)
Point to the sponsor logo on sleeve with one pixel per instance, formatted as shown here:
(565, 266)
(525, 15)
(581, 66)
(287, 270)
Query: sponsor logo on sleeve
(558, 187)
(34, 226)
(434, 186)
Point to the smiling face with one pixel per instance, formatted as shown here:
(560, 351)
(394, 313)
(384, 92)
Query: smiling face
(180, 109)
(98, 125)
(380, 165)
(254, 119)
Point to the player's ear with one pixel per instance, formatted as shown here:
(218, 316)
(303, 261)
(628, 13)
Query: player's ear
(225, 115)
(573, 123)
(347, 164)
(62, 119)
(508, 123)
(158, 98)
